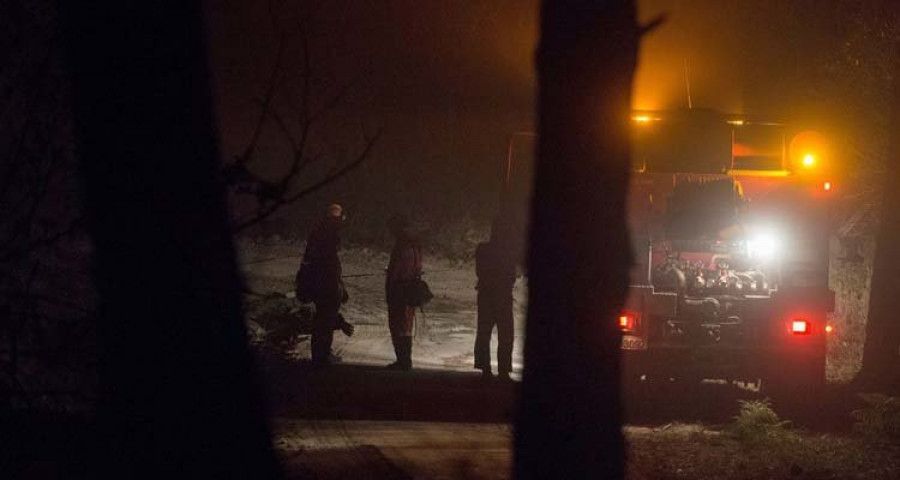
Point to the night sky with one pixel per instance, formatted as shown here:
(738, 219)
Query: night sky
(449, 80)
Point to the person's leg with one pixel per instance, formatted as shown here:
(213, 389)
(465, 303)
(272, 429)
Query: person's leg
(406, 353)
(409, 321)
(505, 335)
(395, 325)
(395, 341)
(483, 336)
(323, 333)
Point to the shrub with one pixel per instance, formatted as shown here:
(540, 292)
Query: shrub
(276, 321)
(756, 422)
(879, 419)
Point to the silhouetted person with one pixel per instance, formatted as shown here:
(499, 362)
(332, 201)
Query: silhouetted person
(319, 281)
(495, 266)
(405, 265)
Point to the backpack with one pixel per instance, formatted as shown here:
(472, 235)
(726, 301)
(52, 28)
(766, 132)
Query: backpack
(416, 292)
(304, 284)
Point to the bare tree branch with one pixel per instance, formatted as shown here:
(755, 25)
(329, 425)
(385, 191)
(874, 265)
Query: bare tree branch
(265, 104)
(295, 130)
(335, 100)
(267, 212)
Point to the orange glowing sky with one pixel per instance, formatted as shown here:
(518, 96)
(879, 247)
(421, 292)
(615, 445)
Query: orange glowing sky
(450, 79)
(677, 46)
(742, 56)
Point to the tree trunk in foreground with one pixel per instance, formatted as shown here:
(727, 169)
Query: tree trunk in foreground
(178, 398)
(881, 353)
(569, 418)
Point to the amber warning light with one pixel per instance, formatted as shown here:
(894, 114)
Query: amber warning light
(809, 160)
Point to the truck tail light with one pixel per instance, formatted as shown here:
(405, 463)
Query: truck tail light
(799, 326)
(627, 321)
(829, 328)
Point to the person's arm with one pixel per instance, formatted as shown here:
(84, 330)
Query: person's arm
(345, 296)
(409, 264)
(479, 261)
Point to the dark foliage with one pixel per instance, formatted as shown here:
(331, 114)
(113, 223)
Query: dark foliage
(47, 341)
(178, 392)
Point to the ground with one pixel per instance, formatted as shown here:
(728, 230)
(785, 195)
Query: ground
(445, 334)
(443, 421)
(328, 449)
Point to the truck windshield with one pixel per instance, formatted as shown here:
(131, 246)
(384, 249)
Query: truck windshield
(705, 142)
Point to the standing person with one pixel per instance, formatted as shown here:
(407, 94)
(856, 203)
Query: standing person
(319, 281)
(405, 265)
(495, 266)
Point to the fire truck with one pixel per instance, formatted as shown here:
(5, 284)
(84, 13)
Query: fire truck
(728, 216)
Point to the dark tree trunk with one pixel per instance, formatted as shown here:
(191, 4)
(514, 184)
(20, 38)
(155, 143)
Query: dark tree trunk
(881, 353)
(178, 396)
(569, 419)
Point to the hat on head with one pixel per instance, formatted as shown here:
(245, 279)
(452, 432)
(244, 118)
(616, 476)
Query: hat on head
(335, 210)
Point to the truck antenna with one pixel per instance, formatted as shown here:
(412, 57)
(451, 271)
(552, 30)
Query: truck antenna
(687, 83)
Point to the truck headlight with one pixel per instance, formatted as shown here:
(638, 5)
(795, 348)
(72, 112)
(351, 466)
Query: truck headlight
(763, 245)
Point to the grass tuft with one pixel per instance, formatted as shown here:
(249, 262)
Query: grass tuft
(757, 423)
(879, 419)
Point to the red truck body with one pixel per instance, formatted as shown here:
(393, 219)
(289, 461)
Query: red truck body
(728, 217)
(730, 279)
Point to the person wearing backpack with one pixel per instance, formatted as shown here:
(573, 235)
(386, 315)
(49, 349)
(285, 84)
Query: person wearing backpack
(404, 267)
(495, 267)
(319, 281)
